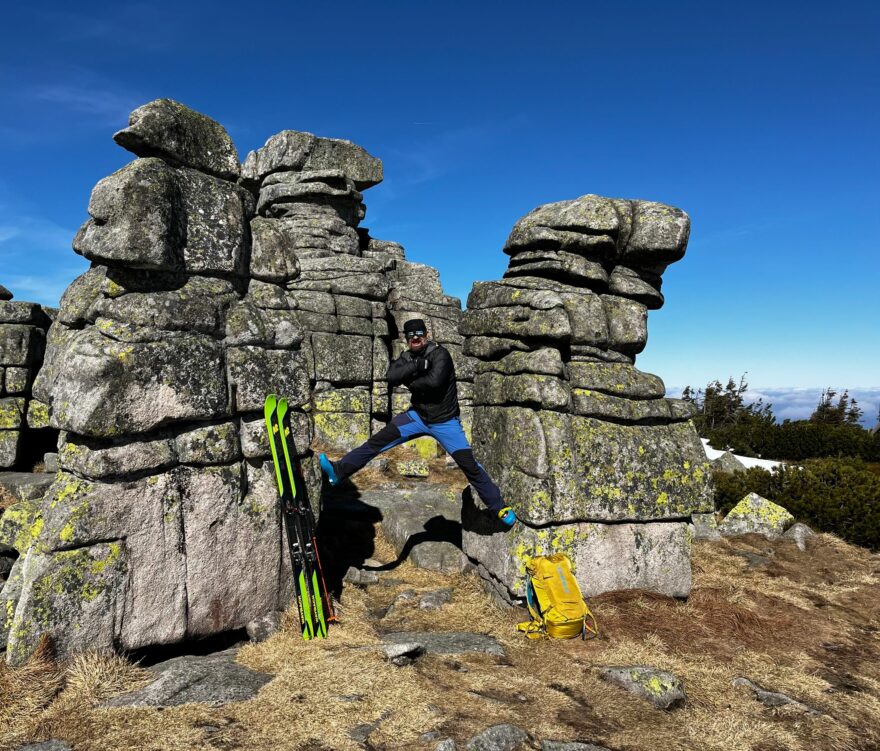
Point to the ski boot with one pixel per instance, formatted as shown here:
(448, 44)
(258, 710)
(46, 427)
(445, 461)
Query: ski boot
(328, 469)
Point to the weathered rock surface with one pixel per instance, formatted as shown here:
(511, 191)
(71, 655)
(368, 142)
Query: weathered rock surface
(662, 689)
(773, 698)
(263, 627)
(647, 555)
(174, 132)
(705, 527)
(754, 514)
(798, 533)
(446, 643)
(26, 486)
(22, 341)
(205, 294)
(213, 679)
(52, 745)
(503, 737)
(578, 438)
(423, 523)
(727, 462)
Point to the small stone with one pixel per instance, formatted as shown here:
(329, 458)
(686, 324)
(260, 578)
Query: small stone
(413, 468)
(662, 689)
(431, 735)
(570, 746)
(379, 464)
(403, 653)
(405, 597)
(447, 744)
(727, 462)
(53, 745)
(798, 533)
(362, 575)
(212, 679)
(351, 697)
(705, 527)
(447, 642)
(436, 599)
(773, 698)
(5, 294)
(50, 461)
(260, 629)
(505, 737)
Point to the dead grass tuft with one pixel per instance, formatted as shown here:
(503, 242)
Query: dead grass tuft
(6, 498)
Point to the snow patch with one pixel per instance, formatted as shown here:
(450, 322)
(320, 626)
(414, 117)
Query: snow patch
(747, 461)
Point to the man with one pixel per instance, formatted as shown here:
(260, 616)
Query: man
(427, 370)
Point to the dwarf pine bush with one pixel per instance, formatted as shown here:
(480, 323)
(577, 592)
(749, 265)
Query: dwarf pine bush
(841, 496)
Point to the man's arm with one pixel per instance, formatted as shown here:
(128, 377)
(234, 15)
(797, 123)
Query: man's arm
(401, 371)
(438, 374)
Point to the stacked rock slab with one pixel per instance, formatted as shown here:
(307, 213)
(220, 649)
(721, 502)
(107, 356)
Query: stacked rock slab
(162, 522)
(596, 461)
(352, 292)
(22, 339)
(310, 201)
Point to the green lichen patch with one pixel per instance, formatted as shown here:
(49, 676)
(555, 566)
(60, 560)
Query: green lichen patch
(21, 525)
(341, 430)
(70, 591)
(11, 412)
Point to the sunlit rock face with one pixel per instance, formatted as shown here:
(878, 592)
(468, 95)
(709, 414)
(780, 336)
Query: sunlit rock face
(211, 285)
(352, 292)
(595, 460)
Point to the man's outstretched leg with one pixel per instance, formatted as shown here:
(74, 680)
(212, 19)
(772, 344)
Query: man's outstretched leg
(451, 436)
(402, 428)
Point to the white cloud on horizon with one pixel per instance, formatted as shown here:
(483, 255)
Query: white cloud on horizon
(798, 402)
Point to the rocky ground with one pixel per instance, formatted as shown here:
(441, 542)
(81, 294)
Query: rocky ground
(775, 649)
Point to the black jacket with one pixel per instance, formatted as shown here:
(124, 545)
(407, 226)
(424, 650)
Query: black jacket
(434, 392)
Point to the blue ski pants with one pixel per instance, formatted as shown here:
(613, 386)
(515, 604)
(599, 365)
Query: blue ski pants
(449, 435)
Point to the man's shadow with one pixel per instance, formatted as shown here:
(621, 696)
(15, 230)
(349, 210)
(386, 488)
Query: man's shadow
(346, 531)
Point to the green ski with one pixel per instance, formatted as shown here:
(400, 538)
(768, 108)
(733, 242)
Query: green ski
(299, 521)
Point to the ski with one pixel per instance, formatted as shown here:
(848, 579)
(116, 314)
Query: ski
(299, 522)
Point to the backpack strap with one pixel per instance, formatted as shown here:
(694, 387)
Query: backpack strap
(535, 628)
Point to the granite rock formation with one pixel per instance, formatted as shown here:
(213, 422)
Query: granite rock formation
(593, 457)
(211, 285)
(23, 328)
(352, 292)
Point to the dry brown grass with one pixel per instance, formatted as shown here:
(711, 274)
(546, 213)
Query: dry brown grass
(804, 623)
(6, 498)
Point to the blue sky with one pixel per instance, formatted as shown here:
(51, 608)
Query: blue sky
(760, 120)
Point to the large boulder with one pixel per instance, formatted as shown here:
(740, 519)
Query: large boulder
(296, 151)
(594, 459)
(176, 133)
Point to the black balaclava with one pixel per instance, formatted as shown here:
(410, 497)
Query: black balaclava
(415, 324)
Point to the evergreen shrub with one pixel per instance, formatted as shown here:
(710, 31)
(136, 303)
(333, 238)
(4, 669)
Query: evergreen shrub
(841, 496)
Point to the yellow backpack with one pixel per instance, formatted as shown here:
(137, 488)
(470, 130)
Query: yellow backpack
(555, 601)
